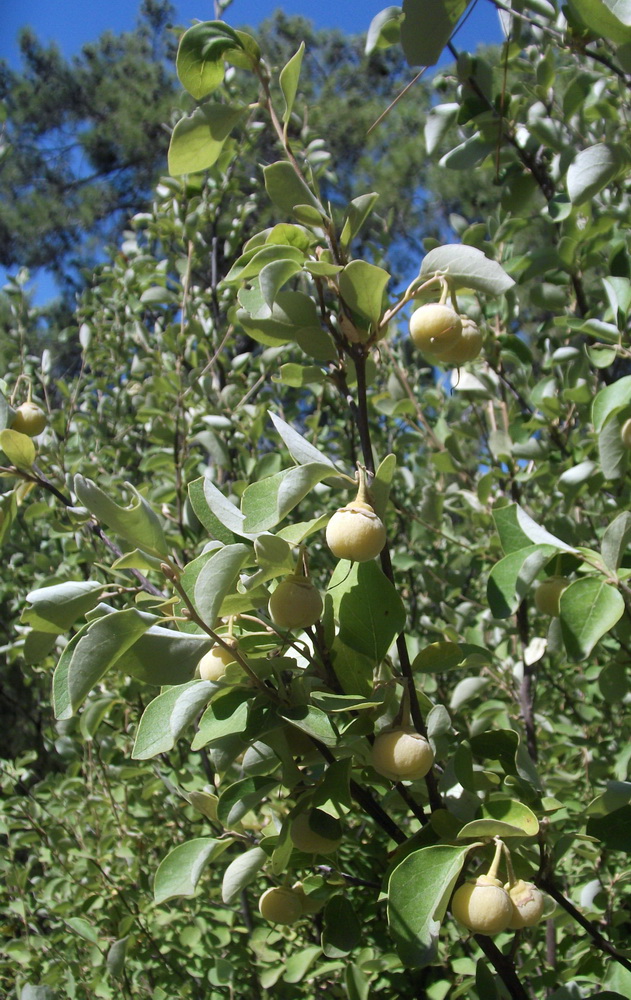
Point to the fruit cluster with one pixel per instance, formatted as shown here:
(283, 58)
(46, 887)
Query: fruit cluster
(443, 336)
(485, 906)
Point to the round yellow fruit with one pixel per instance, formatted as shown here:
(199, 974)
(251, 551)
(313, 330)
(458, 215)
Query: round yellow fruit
(355, 532)
(466, 348)
(295, 603)
(435, 328)
(280, 905)
(212, 665)
(483, 906)
(402, 755)
(29, 419)
(311, 841)
(625, 433)
(548, 595)
(528, 903)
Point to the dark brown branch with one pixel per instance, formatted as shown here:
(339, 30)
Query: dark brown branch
(504, 967)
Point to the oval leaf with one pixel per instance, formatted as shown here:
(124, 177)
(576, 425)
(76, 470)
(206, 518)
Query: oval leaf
(589, 609)
(418, 893)
(179, 873)
(467, 267)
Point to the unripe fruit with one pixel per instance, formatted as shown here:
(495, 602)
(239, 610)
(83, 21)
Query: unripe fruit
(625, 434)
(295, 603)
(435, 328)
(306, 839)
(483, 906)
(355, 532)
(466, 348)
(280, 905)
(548, 595)
(309, 904)
(212, 665)
(402, 754)
(29, 419)
(528, 903)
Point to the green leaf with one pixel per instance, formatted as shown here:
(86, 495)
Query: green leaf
(382, 483)
(116, 956)
(266, 503)
(368, 607)
(517, 530)
(511, 578)
(437, 124)
(467, 154)
(18, 448)
(314, 722)
(301, 450)
(419, 890)
(223, 510)
(341, 931)
(213, 525)
(237, 799)
(227, 714)
(427, 27)
(216, 579)
(502, 817)
(181, 870)
(298, 376)
(612, 830)
(356, 214)
(353, 670)
(615, 540)
(592, 169)
(254, 261)
(299, 963)
(466, 267)
(288, 79)
(56, 608)
(83, 928)
(167, 716)
(589, 609)
(164, 656)
(439, 657)
(137, 523)
(199, 62)
(197, 141)
(241, 872)
(362, 286)
(610, 401)
(274, 275)
(384, 29)
(38, 993)
(608, 18)
(99, 647)
(287, 190)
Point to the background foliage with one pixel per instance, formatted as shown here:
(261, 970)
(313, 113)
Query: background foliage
(139, 831)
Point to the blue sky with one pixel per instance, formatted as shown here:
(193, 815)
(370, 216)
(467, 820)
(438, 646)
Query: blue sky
(72, 23)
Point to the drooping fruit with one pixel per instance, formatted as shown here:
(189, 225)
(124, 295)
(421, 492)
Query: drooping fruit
(528, 903)
(315, 832)
(355, 532)
(466, 348)
(296, 603)
(29, 419)
(548, 595)
(435, 328)
(212, 665)
(280, 905)
(402, 755)
(483, 906)
(625, 433)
